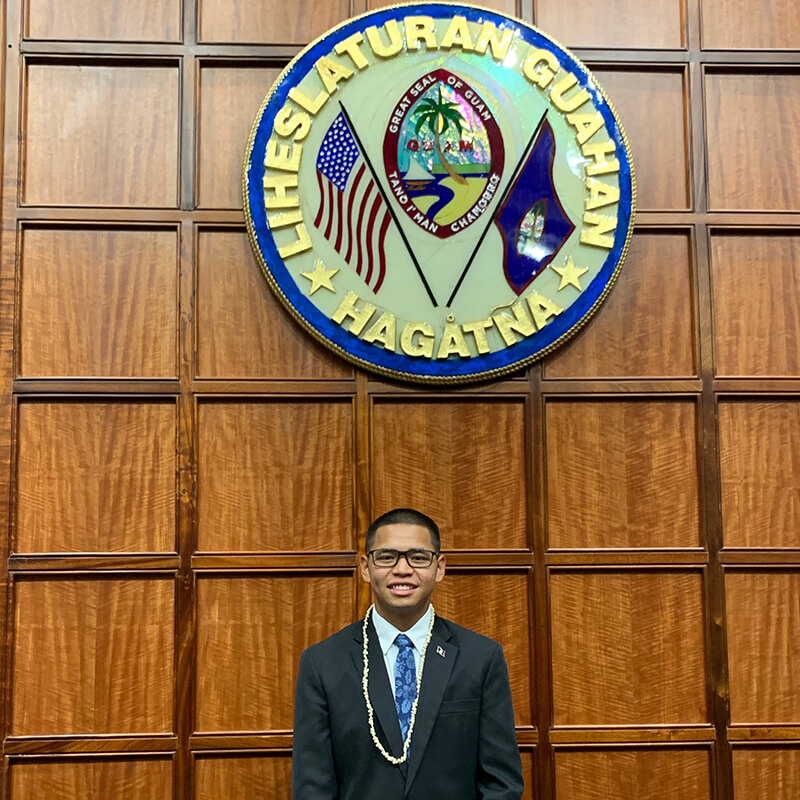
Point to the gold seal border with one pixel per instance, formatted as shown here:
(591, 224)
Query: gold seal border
(471, 377)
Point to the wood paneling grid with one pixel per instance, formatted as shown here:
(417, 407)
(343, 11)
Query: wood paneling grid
(186, 477)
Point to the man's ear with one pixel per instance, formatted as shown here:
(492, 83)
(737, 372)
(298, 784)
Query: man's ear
(440, 568)
(364, 566)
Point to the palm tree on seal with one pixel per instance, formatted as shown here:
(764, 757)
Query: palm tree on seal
(440, 116)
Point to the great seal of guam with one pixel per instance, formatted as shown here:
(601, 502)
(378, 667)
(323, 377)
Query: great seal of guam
(439, 193)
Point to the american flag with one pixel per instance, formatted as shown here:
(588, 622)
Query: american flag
(352, 214)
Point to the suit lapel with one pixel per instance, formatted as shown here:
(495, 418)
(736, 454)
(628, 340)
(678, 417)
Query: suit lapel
(380, 693)
(435, 676)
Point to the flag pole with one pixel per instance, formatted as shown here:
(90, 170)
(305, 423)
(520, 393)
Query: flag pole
(388, 204)
(500, 202)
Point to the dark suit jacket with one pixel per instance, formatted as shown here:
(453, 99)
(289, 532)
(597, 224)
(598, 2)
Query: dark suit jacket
(463, 747)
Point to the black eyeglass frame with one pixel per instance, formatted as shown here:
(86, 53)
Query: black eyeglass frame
(404, 554)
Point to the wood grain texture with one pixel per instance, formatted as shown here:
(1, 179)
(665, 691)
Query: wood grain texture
(503, 6)
(622, 474)
(274, 21)
(614, 23)
(756, 296)
(230, 98)
(461, 462)
(657, 131)
(243, 778)
(628, 648)
(771, 25)
(96, 477)
(496, 605)
(759, 466)
(275, 476)
(104, 20)
(763, 613)
(98, 302)
(250, 633)
(91, 779)
(766, 773)
(111, 140)
(242, 329)
(93, 655)
(652, 774)
(645, 328)
(738, 105)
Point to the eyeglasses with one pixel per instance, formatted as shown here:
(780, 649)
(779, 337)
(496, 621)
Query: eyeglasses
(417, 557)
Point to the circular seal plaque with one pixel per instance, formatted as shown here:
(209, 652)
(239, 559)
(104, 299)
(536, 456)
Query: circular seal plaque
(438, 192)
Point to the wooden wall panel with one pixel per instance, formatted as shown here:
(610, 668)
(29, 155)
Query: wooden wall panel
(93, 778)
(275, 476)
(772, 24)
(464, 463)
(763, 612)
(760, 465)
(242, 329)
(737, 106)
(756, 285)
(622, 474)
(628, 648)
(496, 605)
(93, 655)
(243, 778)
(657, 131)
(645, 328)
(123, 117)
(230, 96)
(96, 477)
(268, 20)
(528, 758)
(766, 773)
(250, 633)
(106, 20)
(98, 302)
(652, 774)
(503, 6)
(614, 23)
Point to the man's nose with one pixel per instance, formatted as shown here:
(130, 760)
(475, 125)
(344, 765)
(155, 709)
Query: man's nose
(403, 566)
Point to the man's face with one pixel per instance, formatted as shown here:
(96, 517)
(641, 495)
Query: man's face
(402, 592)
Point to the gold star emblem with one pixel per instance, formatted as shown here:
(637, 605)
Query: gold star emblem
(570, 275)
(320, 278)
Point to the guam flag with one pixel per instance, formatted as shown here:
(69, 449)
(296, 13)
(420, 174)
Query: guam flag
(532, 222)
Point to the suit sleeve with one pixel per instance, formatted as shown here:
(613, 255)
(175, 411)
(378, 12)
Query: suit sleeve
(313, 772)
(499, 765)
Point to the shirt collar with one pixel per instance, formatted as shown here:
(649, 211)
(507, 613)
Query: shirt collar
(387, 632)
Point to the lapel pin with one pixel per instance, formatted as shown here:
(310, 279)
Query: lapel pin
(440, 650)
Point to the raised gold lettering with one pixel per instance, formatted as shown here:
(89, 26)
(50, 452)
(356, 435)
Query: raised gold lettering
(283, 156)
(423, 346)
(520, 323)
(279, 184)
(478, 330)
(561, 88)
(453, 342)
(300, 245)
(304, 101)
(596, 235)
(331, 73)
(383, 331)
(598, 152)
(350, 45)
(586, 125)
(457, 35)
(542, 309)
(601, 194)
(499, 44)
(287, 122)
(380, 49)
(347, 308)
(535, 72)
(420, 28)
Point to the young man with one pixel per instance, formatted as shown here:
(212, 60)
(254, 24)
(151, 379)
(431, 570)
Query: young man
(404, 705)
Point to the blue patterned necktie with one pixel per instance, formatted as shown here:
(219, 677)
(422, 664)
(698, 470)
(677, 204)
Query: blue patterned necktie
(405, 681)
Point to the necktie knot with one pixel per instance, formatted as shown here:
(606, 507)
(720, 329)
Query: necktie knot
(402, 641)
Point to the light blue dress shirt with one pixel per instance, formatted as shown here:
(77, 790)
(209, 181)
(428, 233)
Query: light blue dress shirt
(387, 633)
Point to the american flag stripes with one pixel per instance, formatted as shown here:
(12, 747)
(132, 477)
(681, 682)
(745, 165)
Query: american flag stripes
(352, 215)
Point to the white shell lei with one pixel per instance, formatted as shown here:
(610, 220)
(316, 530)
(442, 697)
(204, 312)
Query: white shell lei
(365, 686)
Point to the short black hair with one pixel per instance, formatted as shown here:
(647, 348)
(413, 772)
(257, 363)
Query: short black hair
(404, 516)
